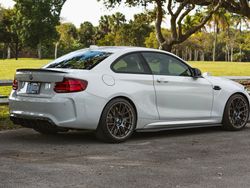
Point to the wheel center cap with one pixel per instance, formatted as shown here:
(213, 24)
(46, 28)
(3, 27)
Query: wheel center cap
(118, 121)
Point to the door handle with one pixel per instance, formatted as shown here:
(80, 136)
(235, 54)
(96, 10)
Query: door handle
(161, 80)
(217, 88)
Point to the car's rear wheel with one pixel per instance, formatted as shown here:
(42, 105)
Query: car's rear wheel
(117, 122)
(236, 113)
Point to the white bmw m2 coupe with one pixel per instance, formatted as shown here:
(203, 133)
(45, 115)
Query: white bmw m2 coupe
(118, 90)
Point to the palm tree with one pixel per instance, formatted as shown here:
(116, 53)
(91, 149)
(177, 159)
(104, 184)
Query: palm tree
(116, 20)
(219, 20)
(104, 24)
(238, 21)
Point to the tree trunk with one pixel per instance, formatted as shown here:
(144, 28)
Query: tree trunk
(232, 54)
(186, 54)
(202, 55)
(4, 47)
(240, 54)
(17, 50)
(56, 49)
(177, 52)
(8, 52)
(39, 50)
(166, 47)
(190, 55)
(196, 55)
(227, 53)
(215, 41)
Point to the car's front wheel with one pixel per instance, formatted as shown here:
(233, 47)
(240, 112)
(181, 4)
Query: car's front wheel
(236, 113)
(117, 122)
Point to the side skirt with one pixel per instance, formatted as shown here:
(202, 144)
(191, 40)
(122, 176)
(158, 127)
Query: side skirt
(175, 127)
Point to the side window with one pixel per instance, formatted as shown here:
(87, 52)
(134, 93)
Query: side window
(163, 64)
(130, 63)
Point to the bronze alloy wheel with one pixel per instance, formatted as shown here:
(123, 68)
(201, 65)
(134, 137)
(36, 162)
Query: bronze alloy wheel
(120, 120)
(236, 113)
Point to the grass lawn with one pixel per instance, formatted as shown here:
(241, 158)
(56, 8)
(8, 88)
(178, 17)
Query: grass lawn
(7, 72)
(223, 68)
(8, 69)
(5, 122)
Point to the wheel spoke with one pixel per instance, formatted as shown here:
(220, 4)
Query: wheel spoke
(238, 112)
(120, 120)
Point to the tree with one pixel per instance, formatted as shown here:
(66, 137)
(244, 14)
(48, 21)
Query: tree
(68, 38)
(38, 20)
(11, 34)
(120, 33)
(151, 40)
(104, 24)
(178, 10)
(136, 30)
(220, 19)
(67, 32)
(116, 21)
(87, 34)
(240, 7)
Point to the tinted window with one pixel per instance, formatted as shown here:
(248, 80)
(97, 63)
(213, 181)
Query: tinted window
(164, 64)
(79, 60)
(129, 64)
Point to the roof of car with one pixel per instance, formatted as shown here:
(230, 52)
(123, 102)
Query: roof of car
(114, 49)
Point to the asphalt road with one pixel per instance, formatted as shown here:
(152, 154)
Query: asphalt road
(205, 157)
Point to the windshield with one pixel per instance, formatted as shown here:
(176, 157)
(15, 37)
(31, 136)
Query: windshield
(84, 59)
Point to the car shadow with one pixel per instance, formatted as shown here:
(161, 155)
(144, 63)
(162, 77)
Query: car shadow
(176, 133)
(88, 137)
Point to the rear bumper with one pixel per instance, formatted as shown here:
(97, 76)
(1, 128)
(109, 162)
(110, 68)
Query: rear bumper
(32, 122)
(74, 111)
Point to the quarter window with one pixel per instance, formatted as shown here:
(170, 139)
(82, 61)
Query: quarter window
(130, 63)
(163, 64)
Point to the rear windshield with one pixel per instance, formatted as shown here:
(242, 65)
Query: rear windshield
(79, 60)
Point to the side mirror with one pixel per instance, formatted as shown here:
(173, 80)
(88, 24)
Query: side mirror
(196, 73)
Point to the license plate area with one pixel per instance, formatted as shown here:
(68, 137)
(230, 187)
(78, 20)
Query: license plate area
(33, 88)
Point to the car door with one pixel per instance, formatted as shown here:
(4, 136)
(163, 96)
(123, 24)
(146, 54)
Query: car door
(134, 79)
(179, 96)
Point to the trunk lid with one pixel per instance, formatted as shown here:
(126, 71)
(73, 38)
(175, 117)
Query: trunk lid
(38, 82)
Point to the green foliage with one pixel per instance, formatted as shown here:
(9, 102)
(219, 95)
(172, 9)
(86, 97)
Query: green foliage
(152, 42)
(68, 38)
(107, 40)
(37, 21)
(87, 34)
(32, 26)
(132, 33)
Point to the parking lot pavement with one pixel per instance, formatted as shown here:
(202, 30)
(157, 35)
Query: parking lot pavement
(205, 157)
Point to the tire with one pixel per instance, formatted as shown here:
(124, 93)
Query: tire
(236, 113)
(117, 122)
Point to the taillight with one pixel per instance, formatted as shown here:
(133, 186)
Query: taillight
(15, 84)
(69, 85)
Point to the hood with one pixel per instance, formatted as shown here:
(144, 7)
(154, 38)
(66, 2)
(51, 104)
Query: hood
(223, 82)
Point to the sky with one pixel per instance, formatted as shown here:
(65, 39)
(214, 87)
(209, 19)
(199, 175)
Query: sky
(79, 11)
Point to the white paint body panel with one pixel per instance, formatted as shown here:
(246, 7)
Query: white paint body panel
(182, 100)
